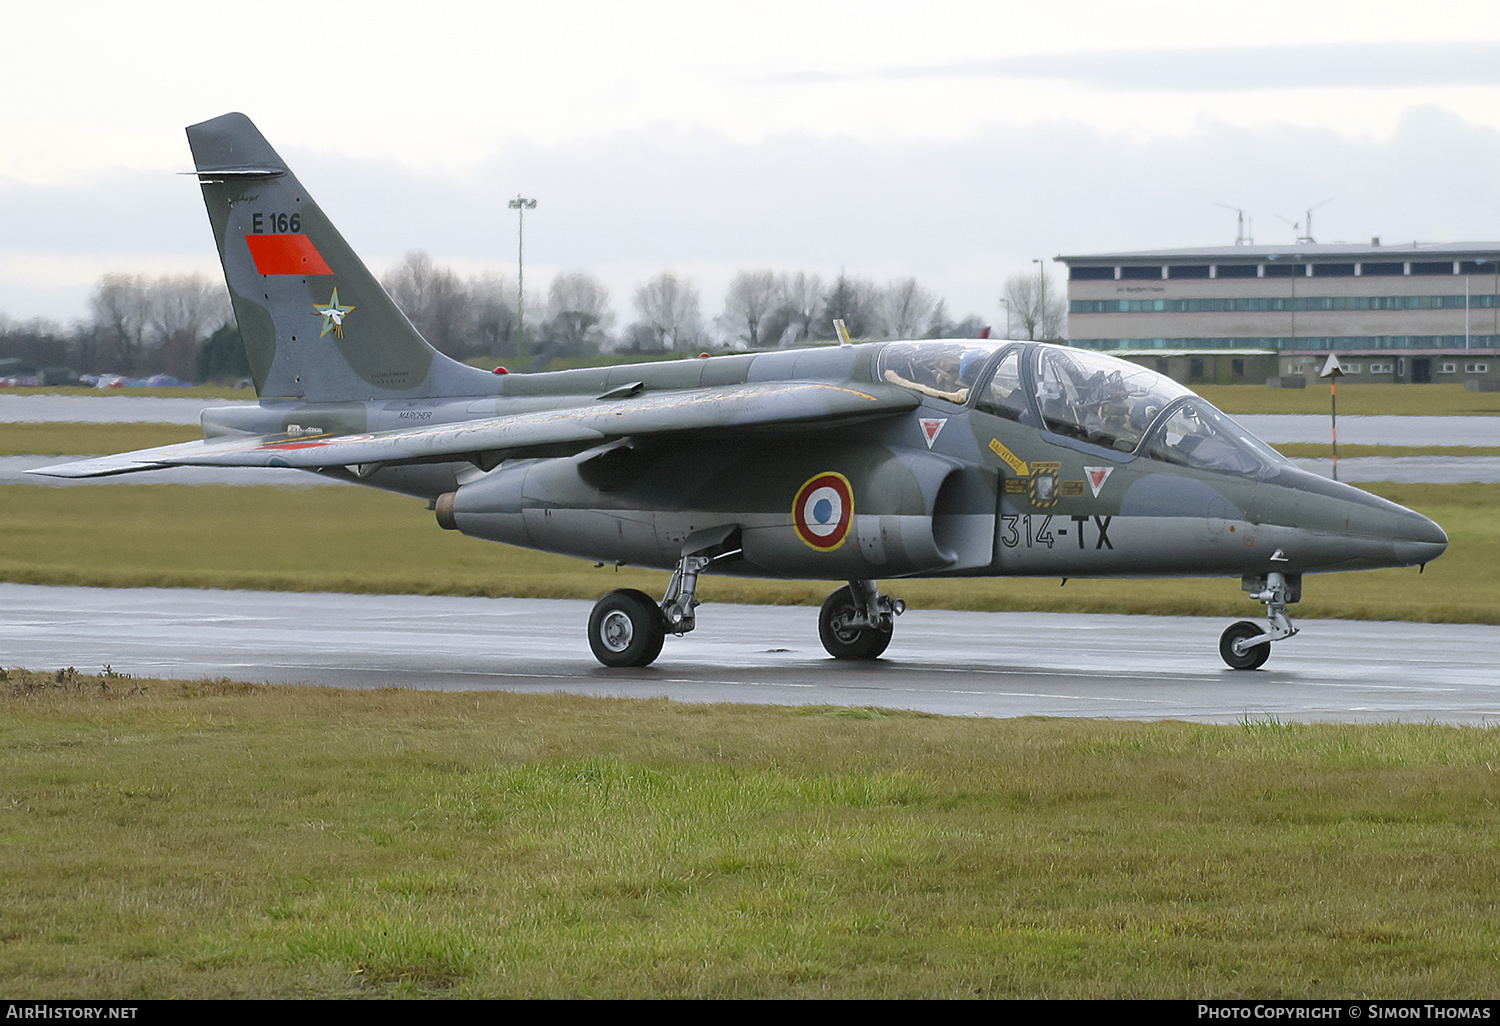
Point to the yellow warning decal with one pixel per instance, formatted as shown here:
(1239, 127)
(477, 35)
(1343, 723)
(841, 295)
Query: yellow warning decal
(1015, 462)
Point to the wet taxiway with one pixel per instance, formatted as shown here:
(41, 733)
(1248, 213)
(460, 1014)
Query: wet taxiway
(985, 664)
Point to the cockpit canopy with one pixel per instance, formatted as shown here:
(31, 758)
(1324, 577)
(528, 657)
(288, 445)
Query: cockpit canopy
(1079, 394)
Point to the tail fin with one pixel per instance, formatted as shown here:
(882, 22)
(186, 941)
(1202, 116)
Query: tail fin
(316, 323)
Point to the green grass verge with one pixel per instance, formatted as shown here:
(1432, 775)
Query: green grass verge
(216, 840)
(189, 392)
(1361, 399)
(352, 539)
(59, 438)
(1354, 397)
(1324, 450)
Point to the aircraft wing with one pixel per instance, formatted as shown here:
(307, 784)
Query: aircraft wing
(729, 408)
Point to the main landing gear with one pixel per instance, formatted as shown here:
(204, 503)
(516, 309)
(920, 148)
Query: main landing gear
(1246, 645)
(856, 622)
(628, 628)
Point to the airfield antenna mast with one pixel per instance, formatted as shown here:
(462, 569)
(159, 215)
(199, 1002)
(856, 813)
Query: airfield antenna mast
(1305, 238)
(1310, 209)
(1241, 236)
(520, 205)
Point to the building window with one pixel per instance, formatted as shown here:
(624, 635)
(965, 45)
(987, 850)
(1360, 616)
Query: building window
(1380, 368)
(1476, 368)
(1381, 270)
(1432, 267)
(1351, 368)
(1284, 271)
(1333, 270)
(1235, 271)
(1091, 273)
(1141, 273)
(1448, 368)
(1195, 369)
(1487, 266)
(1187, 271)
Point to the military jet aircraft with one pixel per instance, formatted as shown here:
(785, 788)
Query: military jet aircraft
(886, 460)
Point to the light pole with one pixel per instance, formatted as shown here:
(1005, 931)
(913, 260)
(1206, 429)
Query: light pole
(1041, 298)
(1006, 303)
(520, 205)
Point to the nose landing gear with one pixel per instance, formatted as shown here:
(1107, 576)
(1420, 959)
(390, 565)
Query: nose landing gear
(1245, 645)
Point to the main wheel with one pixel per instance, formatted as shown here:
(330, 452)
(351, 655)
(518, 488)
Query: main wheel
(1254, 657)
(841, 638)
(625, 629)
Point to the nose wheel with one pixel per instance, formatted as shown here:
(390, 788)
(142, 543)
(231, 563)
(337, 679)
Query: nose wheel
(1246, 645)
(1236, 654)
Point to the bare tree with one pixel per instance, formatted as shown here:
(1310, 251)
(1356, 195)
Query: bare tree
(856, 302)
(434, 300)
(491, 329)
(578, 314)
(799, 298)
(1032, 303)
(908, 308)
(752, 296)
(118, 304)
(180, 313)
(668, 306)
(39, 341)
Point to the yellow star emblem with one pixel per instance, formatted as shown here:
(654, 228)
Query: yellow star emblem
(333, 316)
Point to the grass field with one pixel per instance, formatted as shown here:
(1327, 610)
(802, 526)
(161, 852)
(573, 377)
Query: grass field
(219, 840)
(215, 839)
(58, 438)
(359, 540)
(1354, 397)
(210, 391)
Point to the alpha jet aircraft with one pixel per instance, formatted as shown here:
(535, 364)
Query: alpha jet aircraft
(885, 460)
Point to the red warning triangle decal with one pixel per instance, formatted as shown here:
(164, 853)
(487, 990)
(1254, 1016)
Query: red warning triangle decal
(1097, 476)
(931, 428)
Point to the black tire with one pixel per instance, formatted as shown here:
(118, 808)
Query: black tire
(1253, 659)
(625, 629)
(843, 642)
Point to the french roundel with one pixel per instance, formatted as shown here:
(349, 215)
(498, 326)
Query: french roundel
(823, 511)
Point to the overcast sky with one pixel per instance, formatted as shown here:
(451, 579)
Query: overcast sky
(951, 141)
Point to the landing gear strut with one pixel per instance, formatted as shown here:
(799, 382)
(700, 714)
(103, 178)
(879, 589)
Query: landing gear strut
(628, 628)
(856, 622)
(1246, 645)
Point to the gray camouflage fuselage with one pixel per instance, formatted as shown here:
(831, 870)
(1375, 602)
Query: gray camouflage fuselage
(917, 511)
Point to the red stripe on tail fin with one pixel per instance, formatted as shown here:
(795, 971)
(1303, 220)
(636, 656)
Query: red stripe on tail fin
(286, 254)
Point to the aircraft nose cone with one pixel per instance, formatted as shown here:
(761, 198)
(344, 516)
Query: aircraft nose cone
(1419, 540)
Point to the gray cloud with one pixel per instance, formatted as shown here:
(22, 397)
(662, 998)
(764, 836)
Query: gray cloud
(960, 216)
(1227, 68)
